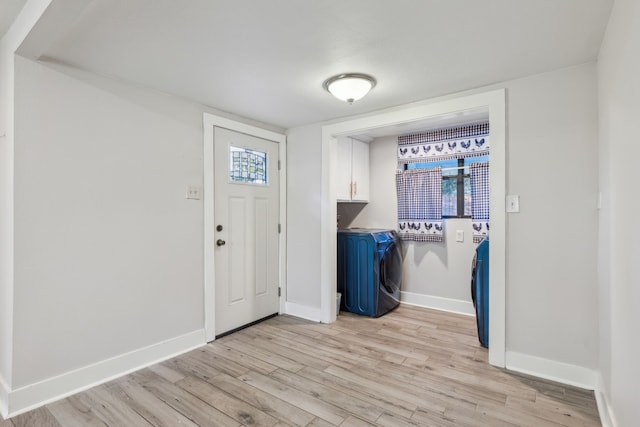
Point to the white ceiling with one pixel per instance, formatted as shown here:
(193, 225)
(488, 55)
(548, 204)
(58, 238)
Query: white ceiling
(9, 9)
(266, 60)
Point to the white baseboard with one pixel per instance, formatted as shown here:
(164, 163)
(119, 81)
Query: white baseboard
(438, 303)
(567, 374)
(32, 396)
(303, 311)
(604, 408)
(564, 373)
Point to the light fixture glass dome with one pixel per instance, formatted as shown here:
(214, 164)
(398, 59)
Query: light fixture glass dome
(349, 87)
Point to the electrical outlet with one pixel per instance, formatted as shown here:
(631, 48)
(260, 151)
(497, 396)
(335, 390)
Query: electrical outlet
(194, 192)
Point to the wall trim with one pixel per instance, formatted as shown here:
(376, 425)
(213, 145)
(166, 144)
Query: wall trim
(564, 373)
(303, 311)
(438, 303)
(29, 397)
(604, 408)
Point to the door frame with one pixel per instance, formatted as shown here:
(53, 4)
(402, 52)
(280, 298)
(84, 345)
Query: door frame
(209, 122)
(495, 102)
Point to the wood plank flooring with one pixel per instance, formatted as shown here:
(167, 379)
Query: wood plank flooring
(412, 367)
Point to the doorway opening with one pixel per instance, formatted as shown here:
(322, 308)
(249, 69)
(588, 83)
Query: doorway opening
(414, 117)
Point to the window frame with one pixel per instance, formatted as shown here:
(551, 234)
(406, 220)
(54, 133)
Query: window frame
(459, 177)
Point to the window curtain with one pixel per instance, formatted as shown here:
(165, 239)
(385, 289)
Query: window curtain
(420, 205)
(479, 200)
(443, 144)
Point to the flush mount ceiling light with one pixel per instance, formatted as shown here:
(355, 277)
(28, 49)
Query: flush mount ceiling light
(349, 87)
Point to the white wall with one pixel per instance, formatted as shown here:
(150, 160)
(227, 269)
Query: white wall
(304, 152)
(6, 216)
(619, 276)
(551, 243)
(11, 40)
(434, 269)
(108, 252)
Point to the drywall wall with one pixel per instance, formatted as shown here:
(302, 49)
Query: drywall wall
(619, 275)
(434, 269)
(303, 216)
(108, 253)
(551, 243)
(104, 237)
(31, 12)
(6, 215)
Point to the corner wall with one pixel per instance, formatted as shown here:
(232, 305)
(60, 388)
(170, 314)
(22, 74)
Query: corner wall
(619, 270)
(31, 12)
(552, 310)
(304, 152)
(104, 237)
(6, 220)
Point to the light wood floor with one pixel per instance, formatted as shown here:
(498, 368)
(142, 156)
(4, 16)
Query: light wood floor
(412, 367)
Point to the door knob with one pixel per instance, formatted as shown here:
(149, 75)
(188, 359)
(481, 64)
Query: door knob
(220, 242)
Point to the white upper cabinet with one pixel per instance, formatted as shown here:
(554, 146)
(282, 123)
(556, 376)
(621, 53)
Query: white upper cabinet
(353, 170)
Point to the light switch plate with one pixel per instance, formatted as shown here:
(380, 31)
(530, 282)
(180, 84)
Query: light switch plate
(459, 235)
(194, 192)
(513, 203)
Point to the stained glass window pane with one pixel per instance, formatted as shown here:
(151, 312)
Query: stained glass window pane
(247, 166)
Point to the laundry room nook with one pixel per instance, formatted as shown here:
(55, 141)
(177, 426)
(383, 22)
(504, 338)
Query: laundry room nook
(440, 169)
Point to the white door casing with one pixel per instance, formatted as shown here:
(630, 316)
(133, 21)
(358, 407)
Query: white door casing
(254, 252)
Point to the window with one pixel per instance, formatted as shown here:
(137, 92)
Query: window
(247, 166)
(456, 184)
(443, 173)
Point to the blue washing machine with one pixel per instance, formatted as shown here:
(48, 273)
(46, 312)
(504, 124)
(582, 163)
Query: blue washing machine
(480, 290)
(369, 271)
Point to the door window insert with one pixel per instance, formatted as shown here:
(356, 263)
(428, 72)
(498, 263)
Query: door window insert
(247, 166)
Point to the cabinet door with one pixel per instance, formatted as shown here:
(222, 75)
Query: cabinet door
(360, 171)
(343, 169)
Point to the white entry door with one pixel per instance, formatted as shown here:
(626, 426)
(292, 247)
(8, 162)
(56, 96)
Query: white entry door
(246, 216)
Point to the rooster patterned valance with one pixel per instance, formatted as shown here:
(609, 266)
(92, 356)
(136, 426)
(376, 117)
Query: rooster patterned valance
(442, 144)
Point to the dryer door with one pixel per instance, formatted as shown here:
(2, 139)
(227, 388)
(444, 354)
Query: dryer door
(391, 269)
